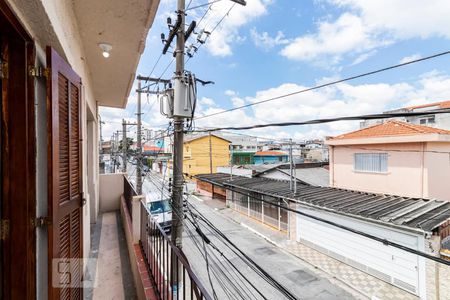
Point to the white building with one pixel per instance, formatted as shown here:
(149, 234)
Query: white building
(438, 120)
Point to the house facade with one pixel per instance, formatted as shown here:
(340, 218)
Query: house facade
(382, 157)
(436, 120)
(270, 157)
(242, 157)
(54, 76)
(204, 153)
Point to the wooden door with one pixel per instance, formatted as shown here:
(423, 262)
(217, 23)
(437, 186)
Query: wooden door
(18, 160)
(65, 179)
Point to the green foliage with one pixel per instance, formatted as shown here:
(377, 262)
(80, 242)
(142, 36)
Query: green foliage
(129, 143)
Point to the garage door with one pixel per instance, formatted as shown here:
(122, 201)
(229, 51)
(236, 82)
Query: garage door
(393, 265)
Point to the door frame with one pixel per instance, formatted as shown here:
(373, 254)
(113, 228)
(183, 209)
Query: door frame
(20, 244)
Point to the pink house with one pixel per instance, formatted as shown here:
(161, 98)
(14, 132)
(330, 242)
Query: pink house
(393, 158)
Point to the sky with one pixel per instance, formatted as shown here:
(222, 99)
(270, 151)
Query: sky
(274, 47)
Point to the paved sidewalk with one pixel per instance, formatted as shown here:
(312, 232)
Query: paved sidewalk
(360, 282)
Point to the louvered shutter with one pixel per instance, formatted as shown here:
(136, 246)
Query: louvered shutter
(65, 193)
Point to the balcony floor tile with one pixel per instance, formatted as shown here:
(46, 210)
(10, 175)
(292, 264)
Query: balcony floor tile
(113, 278)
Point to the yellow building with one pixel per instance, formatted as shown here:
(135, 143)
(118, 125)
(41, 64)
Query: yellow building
(203, 154)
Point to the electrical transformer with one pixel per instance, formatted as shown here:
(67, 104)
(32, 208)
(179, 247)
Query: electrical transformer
(180, 101)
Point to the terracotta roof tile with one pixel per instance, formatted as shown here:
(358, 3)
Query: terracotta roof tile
(442, 104)
(151, 148)
(391, 128)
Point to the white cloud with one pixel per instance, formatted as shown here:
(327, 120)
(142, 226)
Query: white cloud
(347, 34)
(410, 58)
(344, 99)
(237, 101)
(404, 18)
(265, 41)
(368, 25)
(207, 101)
(363, 57)
(230, 93)
(220, 41)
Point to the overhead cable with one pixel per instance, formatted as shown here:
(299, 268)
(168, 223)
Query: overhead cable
(384, 241)
(329, 120)
(327, 84)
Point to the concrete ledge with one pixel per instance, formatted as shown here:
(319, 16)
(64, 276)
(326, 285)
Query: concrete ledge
(143, 283)
(110, 191)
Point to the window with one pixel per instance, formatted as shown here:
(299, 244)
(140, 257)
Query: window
(429, 120)
(371, 162)
(158, 207)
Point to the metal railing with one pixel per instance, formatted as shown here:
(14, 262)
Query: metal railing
(128, 193)
(171, 272)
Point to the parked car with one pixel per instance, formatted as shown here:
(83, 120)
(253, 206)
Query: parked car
(161, 211)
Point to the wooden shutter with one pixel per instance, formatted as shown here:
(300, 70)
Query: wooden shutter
(65, 178)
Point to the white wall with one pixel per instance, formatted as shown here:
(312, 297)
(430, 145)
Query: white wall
(235, 171)
(52, 22)
(350, 247)
(111, 188)
(437, 171)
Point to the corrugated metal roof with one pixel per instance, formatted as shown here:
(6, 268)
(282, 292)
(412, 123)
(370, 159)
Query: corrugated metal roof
(261, 168)
(312, 176)
(415, 213)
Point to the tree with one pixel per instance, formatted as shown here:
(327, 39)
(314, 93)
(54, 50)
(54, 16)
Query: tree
(129, 143)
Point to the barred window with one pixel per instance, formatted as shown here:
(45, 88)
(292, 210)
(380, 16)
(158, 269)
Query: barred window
(371, 162)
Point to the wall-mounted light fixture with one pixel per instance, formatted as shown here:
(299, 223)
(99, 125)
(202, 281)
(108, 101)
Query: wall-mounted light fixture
(105, 49)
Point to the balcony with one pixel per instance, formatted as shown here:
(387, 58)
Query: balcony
(135, 257)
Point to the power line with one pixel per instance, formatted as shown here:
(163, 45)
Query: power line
(328, 120)
(215, 27)
(327, 84)
(384, 241)
(203, 5)
(222, 238)
(251, 263)
(217, 269)
(242, 287)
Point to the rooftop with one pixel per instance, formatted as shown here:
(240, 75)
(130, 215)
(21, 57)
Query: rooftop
(416, 214)
(394, 129)
(190, 138)
(151, 148)
(270, 153)
(434, 105)
(313, 176)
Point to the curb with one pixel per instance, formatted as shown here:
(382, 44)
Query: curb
(354, 290)
(344, 285)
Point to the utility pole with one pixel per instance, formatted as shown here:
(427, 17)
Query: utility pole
(231, 160)
(113, 153)
(139, 142)
(124, 146)
(178, 181)
(210, 154)
(177, 190)
(116, 148)
(101, 139)
(290, 165)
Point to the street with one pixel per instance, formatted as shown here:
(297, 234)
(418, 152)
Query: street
(286, 269)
